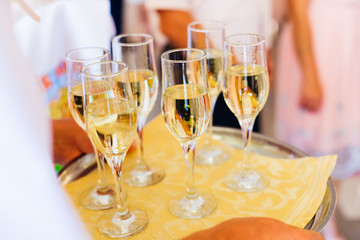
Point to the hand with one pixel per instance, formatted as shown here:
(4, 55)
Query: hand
(69, 141)
(311, 96)
(173, 23)
(254, 228)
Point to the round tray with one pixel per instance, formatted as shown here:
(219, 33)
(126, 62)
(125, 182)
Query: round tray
(259, 144)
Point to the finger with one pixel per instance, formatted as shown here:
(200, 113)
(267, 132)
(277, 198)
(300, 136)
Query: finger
(311, 105)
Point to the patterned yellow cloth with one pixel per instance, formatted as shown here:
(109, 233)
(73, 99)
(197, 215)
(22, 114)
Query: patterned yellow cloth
(295, 192)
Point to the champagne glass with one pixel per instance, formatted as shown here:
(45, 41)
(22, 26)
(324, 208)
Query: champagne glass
(209, 36)
(101, 196)
(111, 121)
(186, 108)
(137, 51)
(246, 89)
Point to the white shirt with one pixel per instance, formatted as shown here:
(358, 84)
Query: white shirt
(32, 204)
(64, 25)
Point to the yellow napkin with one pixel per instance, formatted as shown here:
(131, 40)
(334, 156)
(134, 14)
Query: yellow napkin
(295, 192)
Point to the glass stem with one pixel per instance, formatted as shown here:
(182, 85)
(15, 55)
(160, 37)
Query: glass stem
(247, 125)
(115, 163)
(140, 160)
(100, 161)
(189, 153)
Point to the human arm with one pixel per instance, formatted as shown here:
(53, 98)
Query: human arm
(173, 23)
(69, 141)
(311, 92)
(255, 228)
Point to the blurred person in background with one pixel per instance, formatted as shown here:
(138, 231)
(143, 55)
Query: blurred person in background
(317, 81)
(64, 26)
(169, 20)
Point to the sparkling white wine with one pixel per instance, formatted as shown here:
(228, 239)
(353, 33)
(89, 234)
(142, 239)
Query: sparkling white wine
(95, 90)
(144, 85)
(246, 89)
(215, 64)
(186, 110)
(112, 124)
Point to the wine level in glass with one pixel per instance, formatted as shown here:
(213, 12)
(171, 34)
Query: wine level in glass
(144, 85)
(112, 124)
(245, 92)
(97, 90)
(186, 110)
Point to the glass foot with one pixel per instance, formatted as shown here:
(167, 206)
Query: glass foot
(146, 177)
(97, 198)
(212, 155)
(114, 225)
(202, 205)
(247, 181)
